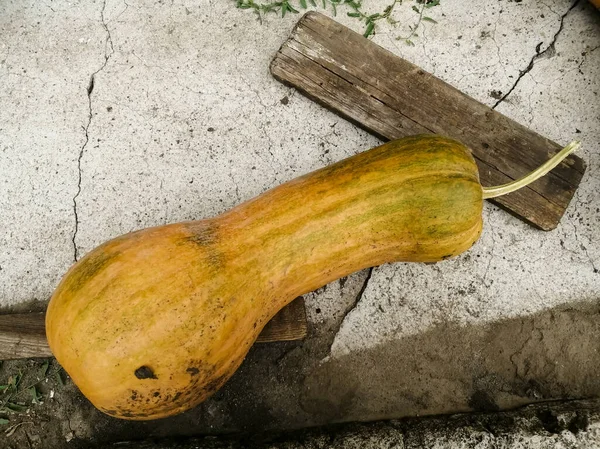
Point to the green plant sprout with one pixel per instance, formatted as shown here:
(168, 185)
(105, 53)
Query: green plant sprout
(355, 10)
(17, 399)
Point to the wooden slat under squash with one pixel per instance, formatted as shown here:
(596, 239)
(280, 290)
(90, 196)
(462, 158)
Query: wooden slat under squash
(23, 336)
(394, 98)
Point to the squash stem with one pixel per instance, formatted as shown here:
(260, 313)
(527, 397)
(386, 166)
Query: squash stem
(496, 191)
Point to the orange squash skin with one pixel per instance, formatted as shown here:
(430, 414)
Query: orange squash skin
(152, 323)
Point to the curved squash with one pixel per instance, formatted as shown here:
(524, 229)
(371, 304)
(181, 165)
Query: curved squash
(153, 322)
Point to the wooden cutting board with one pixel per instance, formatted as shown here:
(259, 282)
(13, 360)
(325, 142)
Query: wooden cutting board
(393, 98)
(23, 336)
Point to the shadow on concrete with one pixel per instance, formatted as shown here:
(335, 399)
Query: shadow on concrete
(447, 369)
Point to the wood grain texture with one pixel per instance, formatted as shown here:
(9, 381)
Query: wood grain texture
(23, 336)
(289, 324)
(393, 98)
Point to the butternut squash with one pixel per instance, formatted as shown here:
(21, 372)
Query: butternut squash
(153, 322)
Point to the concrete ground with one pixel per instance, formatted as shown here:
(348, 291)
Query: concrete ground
(557, 426)
(119, 115)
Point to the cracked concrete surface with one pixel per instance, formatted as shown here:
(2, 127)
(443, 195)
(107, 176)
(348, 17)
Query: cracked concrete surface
(549, 51)
(108, 51)
(121, 115)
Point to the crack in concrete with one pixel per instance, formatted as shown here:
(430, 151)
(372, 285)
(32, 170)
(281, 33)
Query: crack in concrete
(48, 6)
(521, 349)
(237, 187)
(492, 250)
(582, 247)
(89, 90)
(549, 8)
(499, 63)
(351, 307)
(548, 51)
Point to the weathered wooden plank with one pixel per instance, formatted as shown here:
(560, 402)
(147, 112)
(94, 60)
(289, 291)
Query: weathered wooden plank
(23, 336)
(289, 324)
(393, 98)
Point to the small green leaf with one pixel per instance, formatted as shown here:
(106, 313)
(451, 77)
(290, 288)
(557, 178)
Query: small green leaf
(303, 4)
(353, 14)
(4, 387)
(369, 30)
(409, 42)
(415, 9)
(15, 407)
(59, 377)
(373, 17)
(3, 421)
(428, 19)
(432, 3)
(334, 9)
(44, 369)
(313, 3)
(36, 396)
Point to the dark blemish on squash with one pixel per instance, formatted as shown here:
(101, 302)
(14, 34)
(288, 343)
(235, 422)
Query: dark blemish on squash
(145, 372)
(203, 233)
(156, 394)
(134, 395)
(128, 414)
(177, 396)
(214, 385)
(193, 370)
(88, 267)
